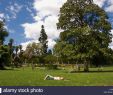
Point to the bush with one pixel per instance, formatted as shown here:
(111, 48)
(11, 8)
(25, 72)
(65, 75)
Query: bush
(52, 66)
(50, 59)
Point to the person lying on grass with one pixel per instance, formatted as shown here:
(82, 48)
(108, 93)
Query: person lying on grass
(49, 77)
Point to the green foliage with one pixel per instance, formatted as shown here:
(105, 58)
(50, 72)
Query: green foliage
(49, 52)
(3, 32)
(52, 66)
(4, 54)
(16, 49)
(50, 59)
(33, 53)
(11, 41)
(4, 57)
(33, 49)
(86, 34)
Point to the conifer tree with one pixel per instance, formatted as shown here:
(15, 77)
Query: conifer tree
(43, 40)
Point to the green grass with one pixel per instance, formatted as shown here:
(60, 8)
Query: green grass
(28, 77)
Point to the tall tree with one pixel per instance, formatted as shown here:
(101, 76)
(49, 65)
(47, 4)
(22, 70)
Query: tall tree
(3, 49)
(11, 49)
(16, 49)
(20, 48)
(11, 41)
(86, 34)
(4, 56)
(17, 61)
(10, 44)
(3, 32)
(43, 40)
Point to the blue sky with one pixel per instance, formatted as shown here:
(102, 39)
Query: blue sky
(17, 12)
(25, 17)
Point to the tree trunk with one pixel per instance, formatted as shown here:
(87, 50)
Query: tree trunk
(86, 66)
(78, 67)
(12, 64)
(33, 65)
(25, 61)
(68, 62)
(57, 61)
(2, 66)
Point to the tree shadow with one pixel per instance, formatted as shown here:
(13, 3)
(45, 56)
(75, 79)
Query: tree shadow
(106, 71)
(9, 69)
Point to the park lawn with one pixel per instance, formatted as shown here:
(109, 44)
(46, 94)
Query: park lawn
(29, 77)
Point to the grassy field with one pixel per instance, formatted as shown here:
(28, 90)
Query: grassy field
(28, 77)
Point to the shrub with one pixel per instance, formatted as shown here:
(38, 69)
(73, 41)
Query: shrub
(52, 66)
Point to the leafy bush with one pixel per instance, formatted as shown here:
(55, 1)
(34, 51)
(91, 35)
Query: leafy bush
(49, 59)
(52, 66)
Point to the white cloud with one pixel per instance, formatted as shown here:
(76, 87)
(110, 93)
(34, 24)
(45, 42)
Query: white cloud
(1, 16)
(45, 7)
(110, 7)
(32, 30)
(28, 9)
(51, 43)
(111, 44)
(24, 44)
(48, 11)
(100, 3)
(11, 30)
(14, 9)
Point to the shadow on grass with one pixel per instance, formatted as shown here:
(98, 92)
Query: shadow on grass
(9, 69)
(107, 71)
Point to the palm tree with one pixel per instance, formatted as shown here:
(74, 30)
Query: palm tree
(11, 49)
(16, 49)
(11, 41)
(20, 48)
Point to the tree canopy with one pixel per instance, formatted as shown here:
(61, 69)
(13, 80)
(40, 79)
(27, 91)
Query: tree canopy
(86, 32)
(3, 32)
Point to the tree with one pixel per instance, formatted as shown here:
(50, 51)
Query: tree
(11, 49)
(16, 49)
(86, 32)
(20, 48)
(32, 51)
(16, 58)
(50, 58)
(43, 40)
(21, 56)
(11, 41)
(3, 32)
(4, 56)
